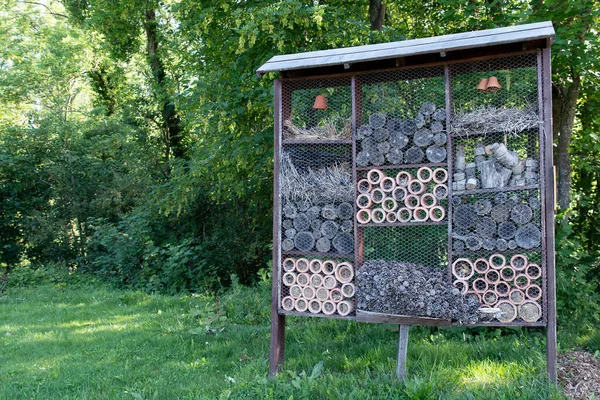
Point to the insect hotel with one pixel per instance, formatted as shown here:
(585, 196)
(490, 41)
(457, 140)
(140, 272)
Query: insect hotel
(414, 184)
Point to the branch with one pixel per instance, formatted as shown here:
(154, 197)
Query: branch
(46, 7)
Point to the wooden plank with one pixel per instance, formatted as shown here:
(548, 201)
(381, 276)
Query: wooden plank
(549, 220)
(317, 254)
(277, 343)
(406, 48)
(450, 160)
(402, 351)
(373, 317)
(317, 141)
(522, 32)
(412, 223)
(403, 166)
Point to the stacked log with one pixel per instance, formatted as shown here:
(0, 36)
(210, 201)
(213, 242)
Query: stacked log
(326, 229)
(316, 286)
(391, 141)
(511, 286)
(413, 290)
(495, 167)
(402, 197)
(499, 223)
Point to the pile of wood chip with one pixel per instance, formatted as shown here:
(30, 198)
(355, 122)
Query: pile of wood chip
(579, 374)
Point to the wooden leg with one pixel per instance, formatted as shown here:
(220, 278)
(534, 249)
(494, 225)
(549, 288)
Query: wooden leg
(551, 352)
(402, 349)
(277, 348)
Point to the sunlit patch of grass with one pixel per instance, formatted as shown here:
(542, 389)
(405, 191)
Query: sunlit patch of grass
(99, 343)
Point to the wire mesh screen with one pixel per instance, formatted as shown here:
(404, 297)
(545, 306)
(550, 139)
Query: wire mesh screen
(415, 192)
(496, 227)
(317, 199)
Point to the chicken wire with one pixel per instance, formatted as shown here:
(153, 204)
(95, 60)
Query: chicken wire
(375, 168)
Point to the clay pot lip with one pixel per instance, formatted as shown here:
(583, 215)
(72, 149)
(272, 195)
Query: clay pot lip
(493, 85)
(482, 87)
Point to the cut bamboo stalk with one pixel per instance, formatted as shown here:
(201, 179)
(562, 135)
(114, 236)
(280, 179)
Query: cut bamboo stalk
(348, 290)
(336, 295)
(424, 174)
(377, 196)
(490, 297)
(315, 266)
(363, 200)
(420, 214)
(481, 265)
(440, 191)
(516, 296)
(519, 262)
(461, 285)
(533, 292)
(328, 307)
(314, 306)
(316, 280)
(295, 291)
(399, 193)
(344, 272)
(389, 204)
(404, 214)
(440, 175)
(437, 213)
(287, 303)
(387, 184)
(345, 307)
(329, 282)
(300, 305)
(462, 268)
(378, 215)
(328, 267)
(308, 292)
(363, 216)
(411, 202)
(416, 187)
(507, 274)
(522, 281)
(322, 294)
(480, 285)
(364, 186)
(289, 278)
(303, 279)
(302, 265)
(492, 276)
(502, 289)
(403, 178)
(391, 217)
(497, 261)
(289, 264)
(428, 200)
(533, 271)
(287, 245)
(374, 176)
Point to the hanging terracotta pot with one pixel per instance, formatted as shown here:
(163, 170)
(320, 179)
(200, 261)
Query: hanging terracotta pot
(320, 103)
(482, 87)
(493, 85)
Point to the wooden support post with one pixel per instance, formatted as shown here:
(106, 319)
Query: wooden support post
(277, 345)
(402, 349)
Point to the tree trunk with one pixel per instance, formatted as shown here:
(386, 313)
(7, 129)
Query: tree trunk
(564, 110)
(171, 122)
(376, 14)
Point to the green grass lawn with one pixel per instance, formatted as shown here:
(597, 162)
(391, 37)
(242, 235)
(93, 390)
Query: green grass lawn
(101, 343)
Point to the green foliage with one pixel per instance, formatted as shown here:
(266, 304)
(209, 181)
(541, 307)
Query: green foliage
(578, 298)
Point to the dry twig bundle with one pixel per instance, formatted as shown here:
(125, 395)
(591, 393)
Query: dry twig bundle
(495, 120)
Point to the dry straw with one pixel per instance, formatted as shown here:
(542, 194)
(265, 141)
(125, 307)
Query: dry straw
(495, 120)
(327, 130)
(319, 186)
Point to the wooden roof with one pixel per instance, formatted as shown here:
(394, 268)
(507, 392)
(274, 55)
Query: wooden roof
(405, 48)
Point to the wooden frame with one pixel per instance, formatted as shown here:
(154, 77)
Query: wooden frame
(316, 70)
